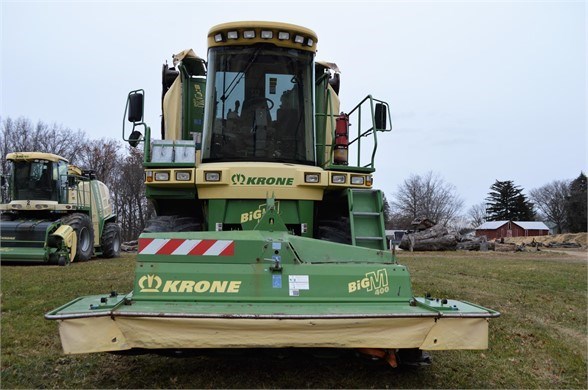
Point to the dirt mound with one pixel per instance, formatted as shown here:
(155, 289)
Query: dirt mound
(567, 238)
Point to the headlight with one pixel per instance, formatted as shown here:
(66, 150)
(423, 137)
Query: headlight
(161, 176)
(312, 177)
(358, 180)
(148, 176)
(338, 179)
(212, 176)
(183, 176)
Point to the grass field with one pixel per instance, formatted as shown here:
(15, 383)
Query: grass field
(540, 341)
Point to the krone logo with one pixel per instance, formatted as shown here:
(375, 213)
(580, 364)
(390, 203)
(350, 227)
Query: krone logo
(150, 283)
(238, 178)
(241, 179)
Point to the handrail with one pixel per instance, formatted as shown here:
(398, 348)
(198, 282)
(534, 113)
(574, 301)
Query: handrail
(370, 131)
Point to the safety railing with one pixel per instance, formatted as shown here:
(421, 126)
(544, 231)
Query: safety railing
(364, 141)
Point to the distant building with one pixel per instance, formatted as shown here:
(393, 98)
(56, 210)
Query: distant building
(504, 229)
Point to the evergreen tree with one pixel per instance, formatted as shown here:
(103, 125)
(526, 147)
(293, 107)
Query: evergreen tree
(387, 211)
(506, 202)
(576, 205)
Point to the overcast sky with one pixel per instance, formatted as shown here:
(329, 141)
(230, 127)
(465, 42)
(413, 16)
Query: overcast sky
(478, 91)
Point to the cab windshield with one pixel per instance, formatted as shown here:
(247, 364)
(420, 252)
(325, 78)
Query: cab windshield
(259, 105)
(35, 180)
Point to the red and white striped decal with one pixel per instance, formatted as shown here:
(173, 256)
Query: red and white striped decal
(184, 247)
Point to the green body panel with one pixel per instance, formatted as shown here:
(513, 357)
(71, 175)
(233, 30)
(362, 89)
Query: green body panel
(264, 274)
(321, 116)
(166, 194)
(263, 266)
(25, 255)
(106, 305)
(193, 93)
(248, 212)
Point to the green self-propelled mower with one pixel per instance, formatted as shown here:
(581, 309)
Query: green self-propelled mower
(268, 232)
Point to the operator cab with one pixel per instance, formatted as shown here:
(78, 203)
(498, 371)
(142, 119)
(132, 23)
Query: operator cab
(37, 178)
(259, 97)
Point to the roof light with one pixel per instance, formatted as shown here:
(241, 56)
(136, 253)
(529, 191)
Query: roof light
(267, 34)
(232, 35)
(249, 34)
(299, 39)
(283, 35)
(218, 37)
(310, 42)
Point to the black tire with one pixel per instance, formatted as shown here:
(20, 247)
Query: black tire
(63, 261)
(110, 240)
(82, 225)
(172, 223)
(335, 230)
(6, 217)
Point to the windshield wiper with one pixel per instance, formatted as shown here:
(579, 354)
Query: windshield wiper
(237, 79)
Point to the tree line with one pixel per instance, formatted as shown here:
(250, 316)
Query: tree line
(561, 202)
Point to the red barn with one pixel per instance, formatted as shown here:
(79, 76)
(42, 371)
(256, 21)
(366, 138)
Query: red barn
(502, 229)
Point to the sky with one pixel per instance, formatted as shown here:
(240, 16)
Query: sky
(478, 90)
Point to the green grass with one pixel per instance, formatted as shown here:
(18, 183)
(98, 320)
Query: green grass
(538, 342)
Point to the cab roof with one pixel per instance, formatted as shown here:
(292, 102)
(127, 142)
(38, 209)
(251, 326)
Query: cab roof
(297, 37)
(34, 156)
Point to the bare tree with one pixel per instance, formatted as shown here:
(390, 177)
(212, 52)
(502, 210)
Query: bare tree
(477, 214)
(21, 135)
(426, 196)
(102, 156)
(132, 207)
(551, 202)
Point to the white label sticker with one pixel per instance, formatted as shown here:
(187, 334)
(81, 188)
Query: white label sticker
(297, 283)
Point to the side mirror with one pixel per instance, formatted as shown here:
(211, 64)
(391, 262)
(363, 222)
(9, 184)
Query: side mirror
(134, 138)
(335, 82)
(135, 107)
(381, 116)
